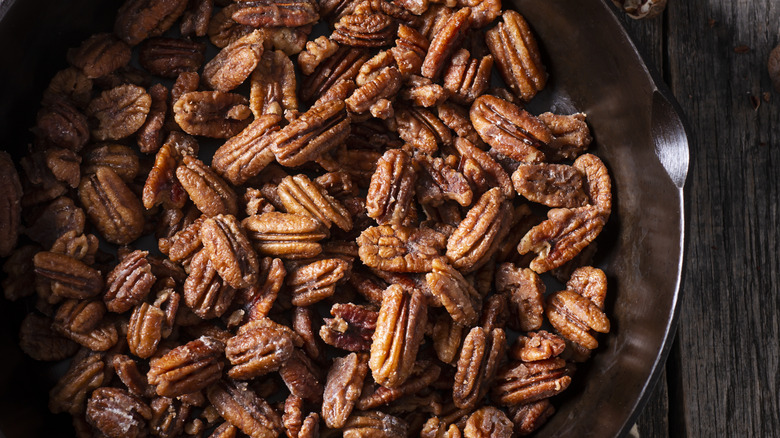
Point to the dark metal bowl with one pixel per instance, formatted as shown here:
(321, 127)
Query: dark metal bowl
(594, 68)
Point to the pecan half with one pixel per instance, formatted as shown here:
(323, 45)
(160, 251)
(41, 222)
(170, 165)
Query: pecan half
(61, 124)
(169, 57)
(397, 248)
(482, 171)
(234, 63)
(445, 42)
(210, 193)
(256, 350)
(273, 85)
(539, 345)
(111, 206)
(10, 200)
(285, 235)
(187, 368)
(72, 84)
(87, 371)
(39, 341)
(526, 295)
(212, 113)
(576, 317)
(382, 87)
(509, 129)
(527, 382)
(597, 181)
(409, 51)
(248, 153)
(161, 186)
(137, 20)
(244, 409)
(117, 413)
(229, 250)
(196, 19)
(129, 282)
(399, 330)
(374, 396)
(315, 132)
(391, 190)
(64, 165)
(120, 158)
(204, 290)
(517, 55)
(439, 182)
(342, 388)
(488, 422)
(571, 135)
(480, 356)
(375, 423)
(70, 277)
(60, 217)
(342, 65)
(119, 112)
(554, 185)
(316, 281)
(368, 29)
(145, 330)
(480, 233)
(268, 13)
(457, 295)
(422, 129)
(302, 377)
(223, 30)
(447, 337)
(168, 417)
(300, 195)
(99, 55)
(531, 416)
(467, 78)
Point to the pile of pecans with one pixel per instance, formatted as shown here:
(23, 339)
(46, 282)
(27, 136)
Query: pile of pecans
(355, 260)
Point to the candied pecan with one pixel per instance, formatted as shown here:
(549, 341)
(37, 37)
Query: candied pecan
(374, 396)
(440, 182)
(168, 417)
(248, 153)
(597, 181)
(589, 282)
(61, 124)
(316, 52)
(576, 317)
(137, 20)
(445, 42)
(509, 129)
(111, 206)
(398, 248)
(467, 78)
(229, 250)
(204, 291)
(145, 330)
(368, 29)
(638, 9)
(161, 186)
(304, 325)
(80, 316)
(127, 371)
(234, 63)
(225, 430)
(99, 55)
(316, 281)
(196, 19)
(223, 30)
(570, 135)
(210, 193)
(268, 13)
(302, 377)
(39, 341)
(150, 135)
(70, 83)
(447, 336)
(10, 200)
(553, 185)
(391, 190)
(539, 345)
(285, 235)
(342, 388)
(119, 111)
(212, 113)
(82, 247)
(101, 338)
(526, 295)
(482, 171)
(435, 428)
(273, 85)
(87, 371)
(169, 57)
(120, 158)
(483, 12)
(257, 350)
(70, 277)
(424, 93)
(375, 424)
(517, 55)
(302, 196)
(480, 356)
(477, 237)
(117, 413)
(399, 330)
(531, 416)
(244, 409)
(422, 129)
(562, 236)
(409, 51)
(456, 294)
(383, 86)
(187, 368)
(342, 65)
(129, 282)
(315, 132)
(351, 329)
(488, 422)
(186, 241)
(526, 382)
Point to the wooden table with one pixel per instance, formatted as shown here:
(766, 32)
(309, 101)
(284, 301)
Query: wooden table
(722, 378)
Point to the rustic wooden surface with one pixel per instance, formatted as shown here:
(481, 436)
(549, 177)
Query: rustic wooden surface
(723, 374)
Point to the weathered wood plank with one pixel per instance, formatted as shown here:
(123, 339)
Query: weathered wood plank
(729, 334)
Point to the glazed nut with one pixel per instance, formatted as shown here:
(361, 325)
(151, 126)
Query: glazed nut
(210, 193)
(422, 129)
(145, 330)
(531, 416)
(86, 372)
(467, 78)
(137, 20)
(527, 382)
(267, 13)
(517, 55)
(170, 57)
(100, 55)
(257, 350)
(234, 63)
(509, 129)
(61, 124)
(213, 114)
(553, 185)
(240, 406)
(454, 292)
(161, 186)
(397, 248)
(117, 413)
(384, 86)
(479, 359)
(576, 317)
(273, 85)
(342, 388)
(488, 422)
(445, 42)
(205, 292)
(70, 277)
(571, 135)
(371, 29)
(187, 368)
(285, 235)
(374, 423)
(351, 328)
(314, 133)
(391, 191)
(316, 281)
(302, 196)
(119, 111)
(129, 282)
(230, 251)
(111, 206)
(120, 158)
(248, 153)
(526, 295)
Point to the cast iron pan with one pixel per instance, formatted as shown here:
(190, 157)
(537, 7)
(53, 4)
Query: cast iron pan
(594, 68)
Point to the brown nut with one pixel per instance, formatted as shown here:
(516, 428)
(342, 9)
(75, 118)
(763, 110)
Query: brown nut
(457, 295)
(117, 413)
(482, 171)
(229, 250)
(61, 124)
(187, 368)
(70, 277)
(536, 346)
(571, 135)
(342, 389)
(161, 186)
(553, 185)
(351, 328)
(111, 206)
(342, 66)
(39, 341)
(267, 13)
(467, 78)
(169, 57)
(375, 424)
(480, 233)
(397, 248)
(517, 55)
(87, 371)
(526, 382)
(422, 129)
(531, 416)
(445, 42)
(273, 85)
(509, 129)
(204, 290)
(140, 19)
(129, 282)
(145, 330)
(302, 377)
(210, 193)
(480, 356)
(257, 350)
(244, 409)
(72, 84)
(526, 295)
(285, 235)
(488, 422)
(10, 200)
(248, 153)
(212, 113)
(399, 330)
(302, 196)
(234, 63)
(370, 29)
(315, 132)
(99, 55)
(316, 281)
(439, 182)
(409, 51)
(384, 86)
(391, 191)
(597, 181)
(120, 158)
(576, 317)
(119, 112)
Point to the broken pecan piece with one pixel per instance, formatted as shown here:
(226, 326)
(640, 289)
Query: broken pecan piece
(536, 346)
(422, 129)
(597, 181)
(488, 422)
(397, 248)
(467, 78)
(351, 328)
(526, 295)
(273, 85)
(571, 135)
